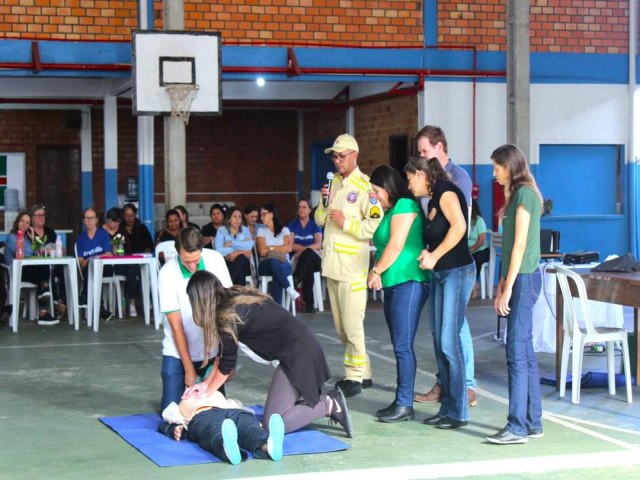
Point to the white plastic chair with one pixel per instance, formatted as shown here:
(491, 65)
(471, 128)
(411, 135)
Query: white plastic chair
(31, 294)
(484, 281)
(494, 252)
(318, 298)
(167, 248)
(286, 302)
(113, 293)
(576, 335)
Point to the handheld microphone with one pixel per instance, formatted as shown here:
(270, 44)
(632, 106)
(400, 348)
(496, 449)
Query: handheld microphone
(329, 182)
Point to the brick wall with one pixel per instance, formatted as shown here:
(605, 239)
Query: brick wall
(244, 151)
(377, 121)
(357, 22)
(25, 130)
(578, 26)
(572, 26)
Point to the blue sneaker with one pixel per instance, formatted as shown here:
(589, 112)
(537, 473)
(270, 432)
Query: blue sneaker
(276, 437)
(230, 442)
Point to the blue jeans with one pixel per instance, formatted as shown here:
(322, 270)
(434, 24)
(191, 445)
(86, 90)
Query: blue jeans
(279, 271)
(451, 290)
(402, 307)
(525, 403)
(467, 348)
(172, 373)
(206, 429)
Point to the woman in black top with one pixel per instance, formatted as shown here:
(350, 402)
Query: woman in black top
(447, 254)
(137, 236)
(239, 314)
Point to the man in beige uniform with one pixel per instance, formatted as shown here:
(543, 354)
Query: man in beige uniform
(350, 220)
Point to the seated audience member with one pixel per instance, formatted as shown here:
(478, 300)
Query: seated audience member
(92, 242)
(172, 227)
(251, 219)
(47, 235)
(216, 212)
(184, 217)
(37, 274)
(170, 231)
(273, 242)
(222, 426)
(478, 243)
(137, 238)
(234, 243)
(113, 226)
(112, 222)
(307, 242)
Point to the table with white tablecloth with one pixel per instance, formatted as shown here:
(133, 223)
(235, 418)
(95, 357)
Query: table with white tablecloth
(544, 312)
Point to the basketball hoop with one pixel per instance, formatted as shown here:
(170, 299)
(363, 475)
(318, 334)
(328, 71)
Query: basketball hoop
(181, 96)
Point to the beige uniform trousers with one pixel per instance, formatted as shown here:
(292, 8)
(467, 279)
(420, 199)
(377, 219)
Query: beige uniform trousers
(348, 309)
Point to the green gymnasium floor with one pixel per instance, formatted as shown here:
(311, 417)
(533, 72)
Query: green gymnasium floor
(55, 382)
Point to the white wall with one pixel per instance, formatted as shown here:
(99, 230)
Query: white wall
(578, 114)
(450, 106)
(560, 114)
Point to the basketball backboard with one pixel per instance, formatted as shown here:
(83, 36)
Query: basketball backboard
(164, 60)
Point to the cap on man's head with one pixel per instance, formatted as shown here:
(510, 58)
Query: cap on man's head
(343, 142)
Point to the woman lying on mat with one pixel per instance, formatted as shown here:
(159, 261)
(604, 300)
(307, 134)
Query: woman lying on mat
(239, 314)
(221, 426)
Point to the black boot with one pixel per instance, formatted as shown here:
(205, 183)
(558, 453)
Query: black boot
(398, 414)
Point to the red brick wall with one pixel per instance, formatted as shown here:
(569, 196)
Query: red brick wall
(244, 151)
(572, 26)
(357, 22)
(376, 122)
(25, 130)
(579, 26)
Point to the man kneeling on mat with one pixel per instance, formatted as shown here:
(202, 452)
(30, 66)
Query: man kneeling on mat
(221, 426)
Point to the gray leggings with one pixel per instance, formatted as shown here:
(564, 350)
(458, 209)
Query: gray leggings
(282, 398)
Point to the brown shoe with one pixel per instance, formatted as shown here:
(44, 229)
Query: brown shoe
(433, 395)
(471, 396)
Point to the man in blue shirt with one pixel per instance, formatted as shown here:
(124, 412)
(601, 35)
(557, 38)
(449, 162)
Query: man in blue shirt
(432, 142)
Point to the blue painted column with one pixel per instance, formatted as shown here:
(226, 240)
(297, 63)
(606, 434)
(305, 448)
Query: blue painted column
(430, 19)
(110, 152)
(86, 166)
(146, 210)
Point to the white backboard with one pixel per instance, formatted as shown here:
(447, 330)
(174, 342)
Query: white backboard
(160, 59)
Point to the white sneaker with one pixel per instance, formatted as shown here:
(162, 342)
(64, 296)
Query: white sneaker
(132, 310)
(292, 292)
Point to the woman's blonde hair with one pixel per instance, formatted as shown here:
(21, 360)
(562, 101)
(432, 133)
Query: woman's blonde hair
(214, 308)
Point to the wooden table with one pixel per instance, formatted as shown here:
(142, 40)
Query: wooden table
(70, 280)
(149, 280)
(611, 287)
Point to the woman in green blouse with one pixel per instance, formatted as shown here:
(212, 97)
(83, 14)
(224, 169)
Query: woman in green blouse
(398, 241)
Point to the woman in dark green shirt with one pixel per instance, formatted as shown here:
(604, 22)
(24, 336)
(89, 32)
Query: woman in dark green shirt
(518, 290)
(398, 241)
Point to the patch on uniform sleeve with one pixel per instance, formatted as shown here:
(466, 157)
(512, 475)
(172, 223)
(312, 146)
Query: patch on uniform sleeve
(352, 197)
(372, 198)
(374, 212)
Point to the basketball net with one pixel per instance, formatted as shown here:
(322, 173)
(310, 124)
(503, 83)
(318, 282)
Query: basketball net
(182, 96)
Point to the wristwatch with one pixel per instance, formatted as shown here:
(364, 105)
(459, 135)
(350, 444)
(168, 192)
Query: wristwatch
(375, 272)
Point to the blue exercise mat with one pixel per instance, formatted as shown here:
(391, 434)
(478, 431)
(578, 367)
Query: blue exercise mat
(140, 431)
(590, 380)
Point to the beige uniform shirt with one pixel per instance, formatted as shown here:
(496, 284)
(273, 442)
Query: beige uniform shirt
(346, 250)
